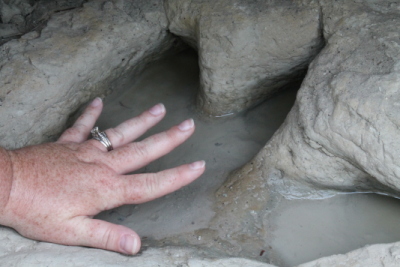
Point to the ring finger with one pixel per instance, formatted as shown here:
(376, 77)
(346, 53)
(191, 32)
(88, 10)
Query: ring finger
(133, 128)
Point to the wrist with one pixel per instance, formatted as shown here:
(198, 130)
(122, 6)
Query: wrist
(6, 177)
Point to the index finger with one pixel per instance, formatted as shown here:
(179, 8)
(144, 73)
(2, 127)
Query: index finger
(80, 130)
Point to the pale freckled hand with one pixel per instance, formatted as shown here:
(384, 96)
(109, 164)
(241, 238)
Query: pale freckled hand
(57, 188)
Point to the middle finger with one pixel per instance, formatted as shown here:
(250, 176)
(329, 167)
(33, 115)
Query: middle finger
(136, 155)
(133, 128)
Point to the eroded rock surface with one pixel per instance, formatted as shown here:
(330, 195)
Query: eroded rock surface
(46, 75)
(341, 133)
(387, 255)
(247, 49)
(22, 16)
(342, 129)
(19, 251)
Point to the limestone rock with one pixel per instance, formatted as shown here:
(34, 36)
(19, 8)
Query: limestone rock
(24, 16)
(228, 262)
(16, 250)
(247, 49)
(46, 76)
(8, 31)
(9, 10)
(346, 122)
(341, 133)
(387, 255)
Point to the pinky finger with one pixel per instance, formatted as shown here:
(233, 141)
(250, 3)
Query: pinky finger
(140, 188)
(80, 131)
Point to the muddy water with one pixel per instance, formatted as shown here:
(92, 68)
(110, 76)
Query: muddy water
(304, 230)
(300, 230)
(224, 143)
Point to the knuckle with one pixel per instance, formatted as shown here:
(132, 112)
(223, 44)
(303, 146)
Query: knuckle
(85, 118)
(80, 126)
(107, 239)
(158, 138)
(180, 172)
(171, 134)
(90, 111)
(134, 193)
(73, 131)
(87, 152)
(167, 137)
(151, 184)
(88, 147)
(103, 192)
(117, 135)
(144, 119)
(140, 149)
(176, 175)
(82, 117)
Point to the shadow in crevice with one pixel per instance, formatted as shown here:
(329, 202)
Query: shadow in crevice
(20, 17)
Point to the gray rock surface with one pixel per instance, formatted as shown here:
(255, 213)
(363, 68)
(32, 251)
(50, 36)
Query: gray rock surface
(247, 49)
(45, 76)
(342, 131)
(385, 255)
(19, 251)
(22, 16)
(341, 134)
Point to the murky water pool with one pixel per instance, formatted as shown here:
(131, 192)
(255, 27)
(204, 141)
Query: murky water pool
(225, 143)
(300, 230)
(304, 230)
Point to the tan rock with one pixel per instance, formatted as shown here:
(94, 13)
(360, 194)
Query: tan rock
(247, 49)
(47, 76)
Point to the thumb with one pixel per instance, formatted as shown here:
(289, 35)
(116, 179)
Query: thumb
(104, 235)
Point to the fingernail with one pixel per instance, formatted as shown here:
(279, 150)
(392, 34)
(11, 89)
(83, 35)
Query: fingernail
(129, 244)
(186, 125)
(197, 165)
(157, 109)
(96, 102)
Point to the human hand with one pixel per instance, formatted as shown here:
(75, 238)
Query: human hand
(57, 188)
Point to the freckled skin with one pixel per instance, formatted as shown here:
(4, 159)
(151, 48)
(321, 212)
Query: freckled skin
(74, 184)
(51, 192)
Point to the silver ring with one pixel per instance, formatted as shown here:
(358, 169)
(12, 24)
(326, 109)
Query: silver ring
(102, 137)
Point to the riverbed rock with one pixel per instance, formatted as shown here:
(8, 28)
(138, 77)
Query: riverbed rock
(19, 251)
(247, 49)
(22, 16)
(341, 135)
(47, 75)
(342, 132)
(387, 255)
